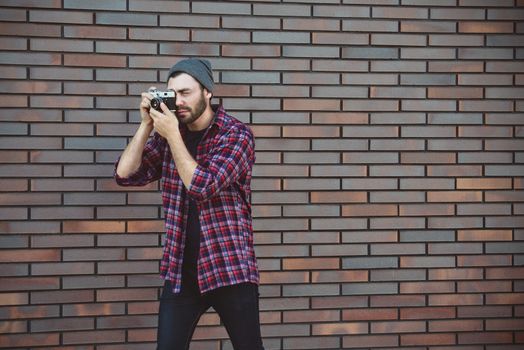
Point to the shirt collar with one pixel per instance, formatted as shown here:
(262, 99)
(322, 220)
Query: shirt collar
(220, 113)
(218, 119)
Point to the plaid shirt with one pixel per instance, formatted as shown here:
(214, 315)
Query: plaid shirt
(221, 188)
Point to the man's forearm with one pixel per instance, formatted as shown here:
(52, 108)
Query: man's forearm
(132, 156)
(184, 162)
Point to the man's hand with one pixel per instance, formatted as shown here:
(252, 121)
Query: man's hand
(166, 124)
(145, 107)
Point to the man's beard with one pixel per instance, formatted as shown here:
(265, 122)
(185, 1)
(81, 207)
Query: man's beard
(197, 112)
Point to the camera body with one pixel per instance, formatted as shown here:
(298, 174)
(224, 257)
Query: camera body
(168, 97)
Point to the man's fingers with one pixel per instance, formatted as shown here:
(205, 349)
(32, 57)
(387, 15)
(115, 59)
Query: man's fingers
(166, 110)
(147, 95)
(145, 103)
(154, 113)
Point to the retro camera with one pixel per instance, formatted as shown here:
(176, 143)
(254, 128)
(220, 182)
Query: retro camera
(168, 97)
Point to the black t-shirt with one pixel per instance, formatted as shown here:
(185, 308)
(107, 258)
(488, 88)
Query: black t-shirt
(191, 250)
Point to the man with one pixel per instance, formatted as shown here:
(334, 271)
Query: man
(204, 159)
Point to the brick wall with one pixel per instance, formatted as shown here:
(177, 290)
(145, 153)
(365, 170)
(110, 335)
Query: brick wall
(387, 192)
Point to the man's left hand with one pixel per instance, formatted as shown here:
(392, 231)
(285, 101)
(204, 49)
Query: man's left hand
(165, 123)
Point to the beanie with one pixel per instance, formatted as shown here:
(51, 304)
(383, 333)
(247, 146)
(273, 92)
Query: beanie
(198, 68)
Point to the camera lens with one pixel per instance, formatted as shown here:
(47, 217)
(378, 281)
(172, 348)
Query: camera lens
(155, 103)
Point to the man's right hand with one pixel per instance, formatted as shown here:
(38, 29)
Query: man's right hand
(131, 158)
(145, 106)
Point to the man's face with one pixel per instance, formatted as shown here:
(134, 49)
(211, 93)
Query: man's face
(191, 99)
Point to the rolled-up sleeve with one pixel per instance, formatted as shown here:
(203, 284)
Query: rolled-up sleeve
(231, 158)
(151, 166)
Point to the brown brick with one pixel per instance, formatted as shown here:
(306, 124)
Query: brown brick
(427, 339)
(338, 224)
(370, 157)
(341, 328)
(16, 15)
(311, 316)
(455, 40)
(427, 26)
(493, 106)
(340, 11)
(31, 255)
(369, 210)
(428, 53)
(311, 104)
(393, 144)
(245, 22)
(338, 302)
(62, 269)
(75, 17)
(504, 14)
(284, 277)
(29, 283)
(427, 313)
(310, 342)
(445, 274)
(398, 66)
(96, 60)
(370, 314)
(484, 235)
(30, 29)
(339, 276)
(14, 299)
(515, 324)
(93, 309)
(127, 267)
(14, 129)
(458, 13)
(470, 183)
(397, 326)
(132, 294)
(359, 341)
(338, 197)
(417, 105)
(488, 260)
(398, 39)
(485, 131)
(147, 6)
(370, 78)
(427, 157)
(485, 338)
(14, 101)
(396, 196)
(67, 324)
(370, 105)
(483, 286)
(392, 12)
(453, 170)
(311, 24)
(17, 340)
(340, 38)
(456, 299)
(12, 72)
(503, 298)
(94, 337)
(368, 183)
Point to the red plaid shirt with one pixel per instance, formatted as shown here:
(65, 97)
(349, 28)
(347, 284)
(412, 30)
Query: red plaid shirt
(221, 188)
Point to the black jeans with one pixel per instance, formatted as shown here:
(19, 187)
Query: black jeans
(236, 305)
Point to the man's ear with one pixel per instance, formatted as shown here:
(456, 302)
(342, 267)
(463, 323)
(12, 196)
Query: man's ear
(208, 93)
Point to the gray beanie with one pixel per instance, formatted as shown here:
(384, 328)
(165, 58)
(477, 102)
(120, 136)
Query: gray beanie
(198, 68)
